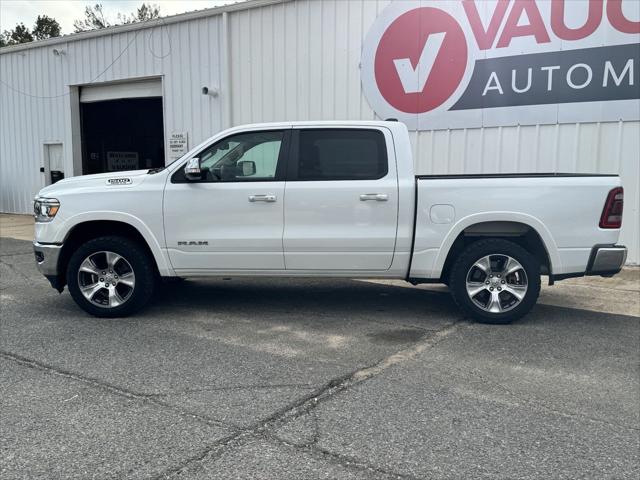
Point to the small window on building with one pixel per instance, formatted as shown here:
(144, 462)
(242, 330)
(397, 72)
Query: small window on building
(341, 154)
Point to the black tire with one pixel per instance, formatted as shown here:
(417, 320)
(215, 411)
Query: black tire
(499, 247)
(138, 259)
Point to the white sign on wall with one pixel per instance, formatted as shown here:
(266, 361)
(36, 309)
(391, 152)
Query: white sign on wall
(178, 145)
(437, 64)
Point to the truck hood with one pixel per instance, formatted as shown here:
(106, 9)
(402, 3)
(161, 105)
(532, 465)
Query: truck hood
(98, 181)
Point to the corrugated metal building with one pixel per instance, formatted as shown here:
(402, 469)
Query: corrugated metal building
(263, 60)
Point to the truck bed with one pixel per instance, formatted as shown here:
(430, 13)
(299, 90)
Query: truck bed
(564, 209)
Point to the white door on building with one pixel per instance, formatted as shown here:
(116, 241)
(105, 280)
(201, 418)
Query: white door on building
(341, 209)
(233, 218)
(53, 162)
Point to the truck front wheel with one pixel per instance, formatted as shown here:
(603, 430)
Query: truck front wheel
(111, 276)
(495, 281)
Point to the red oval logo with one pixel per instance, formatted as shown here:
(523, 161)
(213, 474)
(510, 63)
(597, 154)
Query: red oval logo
(420, 60)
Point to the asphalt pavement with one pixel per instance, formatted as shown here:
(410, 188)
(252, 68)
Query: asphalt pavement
(270, 379)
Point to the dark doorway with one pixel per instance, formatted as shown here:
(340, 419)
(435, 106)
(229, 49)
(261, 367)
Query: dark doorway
(122, 135)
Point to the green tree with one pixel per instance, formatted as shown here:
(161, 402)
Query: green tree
(20, 34)
(94, 19)
(147, 12)
(46, 27)
(143, 13)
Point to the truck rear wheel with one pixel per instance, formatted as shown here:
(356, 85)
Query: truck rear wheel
(111, 276)
(495, 281)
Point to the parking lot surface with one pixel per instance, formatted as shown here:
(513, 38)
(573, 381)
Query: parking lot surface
(264, 378)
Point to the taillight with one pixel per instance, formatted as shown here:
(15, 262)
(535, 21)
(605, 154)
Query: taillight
(612, 212)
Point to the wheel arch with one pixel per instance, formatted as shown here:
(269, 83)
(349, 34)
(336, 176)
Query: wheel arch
(83, 231)
(524, 230)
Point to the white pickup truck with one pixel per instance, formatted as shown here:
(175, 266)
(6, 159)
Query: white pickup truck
(324, 199)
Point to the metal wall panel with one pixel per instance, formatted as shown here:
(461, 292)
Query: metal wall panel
(296, 60)
(35, 100)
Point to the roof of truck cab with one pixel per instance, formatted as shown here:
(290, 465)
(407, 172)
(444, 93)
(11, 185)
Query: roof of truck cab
(321, 123)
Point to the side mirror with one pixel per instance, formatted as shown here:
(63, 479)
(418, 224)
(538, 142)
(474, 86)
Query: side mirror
(246, 168)
(192, 170)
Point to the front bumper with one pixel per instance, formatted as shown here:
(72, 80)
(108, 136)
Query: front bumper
(47, 256)
(606, 260)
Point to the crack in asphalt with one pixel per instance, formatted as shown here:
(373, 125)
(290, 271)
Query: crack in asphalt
(342, 460)
(239, 436)
(265, 427)
(305, 404)
(243, 435)
(15, 270)
(316, 428)
(105, 386)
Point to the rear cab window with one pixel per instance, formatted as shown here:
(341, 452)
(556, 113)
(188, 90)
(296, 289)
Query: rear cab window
(326, 154)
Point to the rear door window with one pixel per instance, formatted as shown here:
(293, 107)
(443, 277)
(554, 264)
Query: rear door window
(338, 154)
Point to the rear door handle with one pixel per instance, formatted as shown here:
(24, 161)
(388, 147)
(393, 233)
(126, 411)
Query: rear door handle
(378, 197)
(262, 198)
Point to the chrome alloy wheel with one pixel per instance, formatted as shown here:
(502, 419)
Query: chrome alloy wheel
(106, 279)
(496, 283)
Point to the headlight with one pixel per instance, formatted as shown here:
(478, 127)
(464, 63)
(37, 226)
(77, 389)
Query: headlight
(45, 209)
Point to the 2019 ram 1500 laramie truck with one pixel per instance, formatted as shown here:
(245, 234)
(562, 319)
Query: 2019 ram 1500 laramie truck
(324, 199)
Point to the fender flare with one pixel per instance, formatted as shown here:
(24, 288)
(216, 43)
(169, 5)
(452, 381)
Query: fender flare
(517, 217)
(159, 254)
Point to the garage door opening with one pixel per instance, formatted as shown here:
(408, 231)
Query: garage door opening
(121, 133)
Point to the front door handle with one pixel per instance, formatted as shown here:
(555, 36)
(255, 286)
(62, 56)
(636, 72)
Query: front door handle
(262, 198)
(378, 197)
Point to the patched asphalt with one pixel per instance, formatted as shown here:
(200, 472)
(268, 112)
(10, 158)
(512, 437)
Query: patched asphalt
(264, 378)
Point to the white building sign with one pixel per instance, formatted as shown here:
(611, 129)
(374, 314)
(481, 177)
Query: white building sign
(178, 145)
(471, 63)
